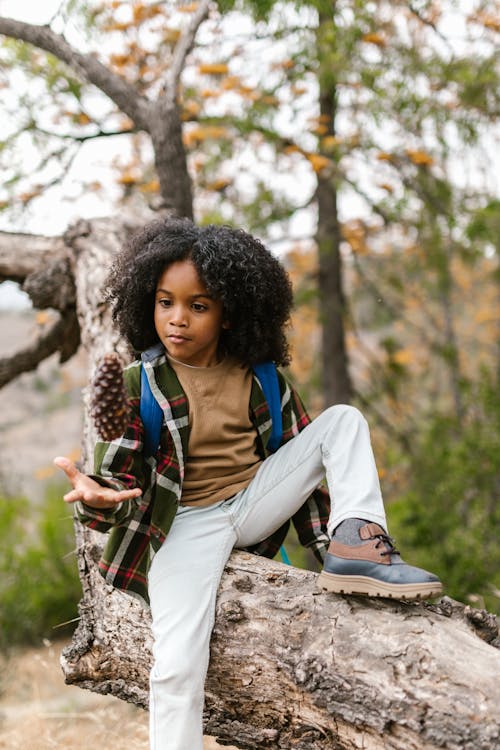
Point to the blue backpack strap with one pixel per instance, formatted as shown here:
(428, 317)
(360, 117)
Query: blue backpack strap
(151, 414)
(268, 377)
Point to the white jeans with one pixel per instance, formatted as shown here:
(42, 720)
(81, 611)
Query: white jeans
(186, 571)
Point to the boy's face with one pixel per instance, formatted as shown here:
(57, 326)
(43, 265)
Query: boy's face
(187, 319)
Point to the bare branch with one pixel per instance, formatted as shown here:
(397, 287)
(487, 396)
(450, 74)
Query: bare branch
(182, 49)
(63, 336)
(427, 22)
(24, 254)
(125, 96)
(83, 138)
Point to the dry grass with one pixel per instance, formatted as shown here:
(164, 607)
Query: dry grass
(39, 712)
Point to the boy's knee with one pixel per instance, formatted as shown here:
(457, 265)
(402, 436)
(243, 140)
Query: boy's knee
(344, 413)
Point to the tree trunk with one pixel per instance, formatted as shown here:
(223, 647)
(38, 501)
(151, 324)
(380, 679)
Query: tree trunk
(170, 161)
(337, 386)
(290, 667)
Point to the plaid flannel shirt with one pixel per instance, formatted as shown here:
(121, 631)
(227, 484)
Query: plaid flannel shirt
(139, 527)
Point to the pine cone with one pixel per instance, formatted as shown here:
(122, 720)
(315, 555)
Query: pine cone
(109, 407)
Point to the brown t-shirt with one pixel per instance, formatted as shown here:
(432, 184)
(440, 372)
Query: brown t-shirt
(222, 456)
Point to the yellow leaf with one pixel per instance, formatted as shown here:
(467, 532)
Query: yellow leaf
(284, 64)
(291, 149)
(320, 129)
(248, 93)
(119, 60)
(117, 26)
(29, 195)
(491, 22)
(190, 110)
(421, 158)
(231, 82)
(42, 318)
(188, 8)
(355, 234)
(213, 69)
(488, 20)
(202, 133)
(219, 184)
(403, 357)
(298, 90)
(318, 162)
(384, 156)
(485, 316)
(142, 12)
(170, 36)
(329, 142)
(374, 38)
(386, 186)
(126, 123)
(271, 100)
(127, 178)
(208, 93)
(153, 186)
(83, 119)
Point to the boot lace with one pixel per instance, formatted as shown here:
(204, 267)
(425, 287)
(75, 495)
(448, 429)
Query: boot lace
(388, 543)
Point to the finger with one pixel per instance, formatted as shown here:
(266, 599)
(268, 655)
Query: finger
(127, 495)
(73, 496)
(67, 466)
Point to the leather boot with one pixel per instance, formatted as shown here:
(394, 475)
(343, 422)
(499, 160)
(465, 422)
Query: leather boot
(375, 568)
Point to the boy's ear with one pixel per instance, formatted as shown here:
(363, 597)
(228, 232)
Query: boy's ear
(226, 324)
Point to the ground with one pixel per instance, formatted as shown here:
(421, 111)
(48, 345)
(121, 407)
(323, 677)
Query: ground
(39, 712)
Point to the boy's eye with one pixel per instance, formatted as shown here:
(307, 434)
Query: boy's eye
(198, 307)
(165, 302)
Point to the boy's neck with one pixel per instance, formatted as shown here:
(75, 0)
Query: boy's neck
(220, 361)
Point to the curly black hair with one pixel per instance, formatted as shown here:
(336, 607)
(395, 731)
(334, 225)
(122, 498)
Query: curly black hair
(235, 267)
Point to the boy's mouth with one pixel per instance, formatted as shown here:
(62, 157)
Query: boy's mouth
(177, 339)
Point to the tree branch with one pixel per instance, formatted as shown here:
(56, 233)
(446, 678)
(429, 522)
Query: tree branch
(63, 336)
(293, 667)
(24, 254)
(182, 49)
(83, 138)
(125, 96)
(427, 22)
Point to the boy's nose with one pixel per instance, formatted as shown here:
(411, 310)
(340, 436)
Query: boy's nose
(178, 318)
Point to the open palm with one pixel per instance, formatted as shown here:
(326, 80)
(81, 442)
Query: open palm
(88, 490)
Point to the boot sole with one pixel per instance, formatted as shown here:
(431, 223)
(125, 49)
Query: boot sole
(341, 584)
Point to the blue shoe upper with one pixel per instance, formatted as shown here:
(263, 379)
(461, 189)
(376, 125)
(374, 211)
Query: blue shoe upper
(397, 571)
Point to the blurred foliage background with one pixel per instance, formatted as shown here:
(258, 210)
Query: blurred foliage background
(39, 585)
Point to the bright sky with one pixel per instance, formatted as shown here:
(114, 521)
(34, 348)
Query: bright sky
(33, 11)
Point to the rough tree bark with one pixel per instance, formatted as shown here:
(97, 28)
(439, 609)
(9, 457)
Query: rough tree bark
(290, 667)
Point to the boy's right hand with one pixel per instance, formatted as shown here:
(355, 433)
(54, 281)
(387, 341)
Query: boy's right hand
(89, 491)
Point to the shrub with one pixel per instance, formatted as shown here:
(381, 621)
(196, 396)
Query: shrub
(448, 519)
(39, 585)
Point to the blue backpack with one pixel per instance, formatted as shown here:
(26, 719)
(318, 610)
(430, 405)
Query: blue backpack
(152, 415)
